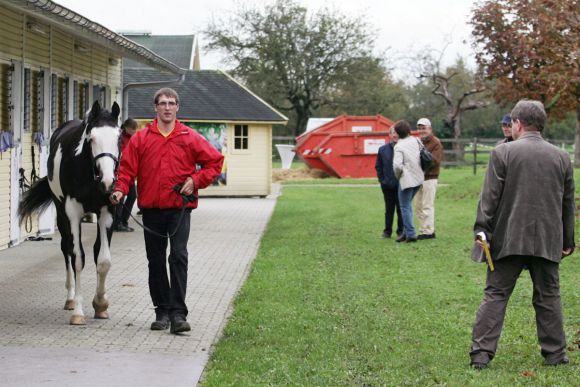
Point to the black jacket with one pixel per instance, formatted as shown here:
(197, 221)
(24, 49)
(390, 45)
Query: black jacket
(384, 166)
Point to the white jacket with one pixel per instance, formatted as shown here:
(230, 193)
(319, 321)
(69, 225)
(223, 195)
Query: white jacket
(407, 163)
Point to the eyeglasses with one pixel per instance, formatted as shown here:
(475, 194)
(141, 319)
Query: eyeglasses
(506, 125)
(166, 104)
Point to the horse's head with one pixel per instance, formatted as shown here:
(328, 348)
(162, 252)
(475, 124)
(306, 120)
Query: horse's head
(103, 134)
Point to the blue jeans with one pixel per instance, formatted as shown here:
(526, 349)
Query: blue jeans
(405, 199)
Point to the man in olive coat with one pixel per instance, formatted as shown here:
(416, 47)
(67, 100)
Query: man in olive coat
(526, 211)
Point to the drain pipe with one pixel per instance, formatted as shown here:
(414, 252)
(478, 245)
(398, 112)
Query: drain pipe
(129, 86)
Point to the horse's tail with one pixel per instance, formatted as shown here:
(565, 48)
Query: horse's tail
(37, 197)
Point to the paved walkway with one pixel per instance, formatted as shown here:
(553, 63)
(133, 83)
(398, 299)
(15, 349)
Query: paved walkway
(39, 348)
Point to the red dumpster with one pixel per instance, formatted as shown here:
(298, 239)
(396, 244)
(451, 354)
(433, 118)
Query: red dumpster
(346, 146)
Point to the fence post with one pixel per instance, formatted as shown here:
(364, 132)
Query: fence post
(475, 155)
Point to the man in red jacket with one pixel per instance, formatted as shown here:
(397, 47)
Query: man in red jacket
(161, 156)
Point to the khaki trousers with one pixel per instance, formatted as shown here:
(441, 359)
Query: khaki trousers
(425, 206)
(545, 299)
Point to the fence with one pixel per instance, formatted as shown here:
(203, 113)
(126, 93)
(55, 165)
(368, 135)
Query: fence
(456, 152)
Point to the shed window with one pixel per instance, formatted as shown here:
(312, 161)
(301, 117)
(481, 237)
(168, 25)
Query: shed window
(241, 137)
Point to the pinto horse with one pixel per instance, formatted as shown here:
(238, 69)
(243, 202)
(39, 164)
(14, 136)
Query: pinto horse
(82, 166)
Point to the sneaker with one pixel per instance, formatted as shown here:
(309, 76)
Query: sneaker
(562, 361)
(161, 323)
(426, 236)
(401, 238)
(178, 325)
(478, 365)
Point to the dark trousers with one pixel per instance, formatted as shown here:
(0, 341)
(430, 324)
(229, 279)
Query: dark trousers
(391, 197)
(168, 297)
(123, 209)
(546, 301)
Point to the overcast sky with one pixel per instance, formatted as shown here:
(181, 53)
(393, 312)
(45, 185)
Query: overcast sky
(406, 26)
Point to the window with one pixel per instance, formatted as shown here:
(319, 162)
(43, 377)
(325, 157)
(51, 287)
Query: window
(59, 101)
(5, 96)
(33, 100)
(80, 99)
(241, 137)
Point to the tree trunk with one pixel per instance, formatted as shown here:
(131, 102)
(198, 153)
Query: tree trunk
(458, 148)
(577, 138)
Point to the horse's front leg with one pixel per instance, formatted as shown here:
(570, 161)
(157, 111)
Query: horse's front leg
(102, 254)
(74, 211)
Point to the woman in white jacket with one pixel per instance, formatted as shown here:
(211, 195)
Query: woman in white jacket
(407, 167)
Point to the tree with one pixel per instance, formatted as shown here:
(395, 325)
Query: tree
(369, 90)
(457, 87)
(292, 60)
(531, 48)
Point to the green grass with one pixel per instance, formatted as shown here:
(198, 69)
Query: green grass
(329, 303)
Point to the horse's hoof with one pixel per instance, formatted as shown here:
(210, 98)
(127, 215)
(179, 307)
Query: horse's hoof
(76, 319)
(101, 310)
(69, 305)
(103, 315)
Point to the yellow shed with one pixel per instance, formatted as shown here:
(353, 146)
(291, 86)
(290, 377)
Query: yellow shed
(233, 119)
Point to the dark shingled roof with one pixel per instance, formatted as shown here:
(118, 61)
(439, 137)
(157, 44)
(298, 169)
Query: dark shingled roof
(177, 49)
(204, 95)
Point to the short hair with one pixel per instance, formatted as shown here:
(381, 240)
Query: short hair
(402, 128)
(530, 113)
(168, 92)
(130, 123)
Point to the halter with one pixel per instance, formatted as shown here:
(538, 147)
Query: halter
(95, 168)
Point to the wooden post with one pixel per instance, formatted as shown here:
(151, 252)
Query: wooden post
(475, 155)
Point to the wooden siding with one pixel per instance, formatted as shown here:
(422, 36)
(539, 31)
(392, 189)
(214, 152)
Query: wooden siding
(62, 49)
(100, 65)
(11, 34)
(82, 60)
(5, 199)
(115, 73)
(37, 44)
(249, 173)
(26, 164)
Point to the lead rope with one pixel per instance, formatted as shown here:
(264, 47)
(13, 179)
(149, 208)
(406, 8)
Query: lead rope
(186, 199)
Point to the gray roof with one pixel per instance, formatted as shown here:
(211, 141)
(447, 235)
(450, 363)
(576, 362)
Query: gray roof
(177, 49)
(204, 95)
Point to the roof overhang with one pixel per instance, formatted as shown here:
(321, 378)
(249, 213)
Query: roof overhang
(80, 26)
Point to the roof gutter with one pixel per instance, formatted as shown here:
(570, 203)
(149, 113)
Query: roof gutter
(94, 32)
(137, 85)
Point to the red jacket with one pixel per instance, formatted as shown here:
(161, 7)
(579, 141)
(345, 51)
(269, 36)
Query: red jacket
(159, 163)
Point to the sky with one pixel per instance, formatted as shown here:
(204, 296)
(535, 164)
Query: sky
(403, 27)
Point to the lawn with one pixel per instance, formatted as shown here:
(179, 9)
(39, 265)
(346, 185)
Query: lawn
(328, 302)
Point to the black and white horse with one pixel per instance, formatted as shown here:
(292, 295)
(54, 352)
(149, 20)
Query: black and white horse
(82, 166)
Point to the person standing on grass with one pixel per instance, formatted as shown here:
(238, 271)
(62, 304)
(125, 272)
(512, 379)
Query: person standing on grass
(425, 200)
(407, 167)
(526, 211)
(389, 184)
(164, 157)
(506, 127)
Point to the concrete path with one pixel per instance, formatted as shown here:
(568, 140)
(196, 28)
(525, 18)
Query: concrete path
(39, 348)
